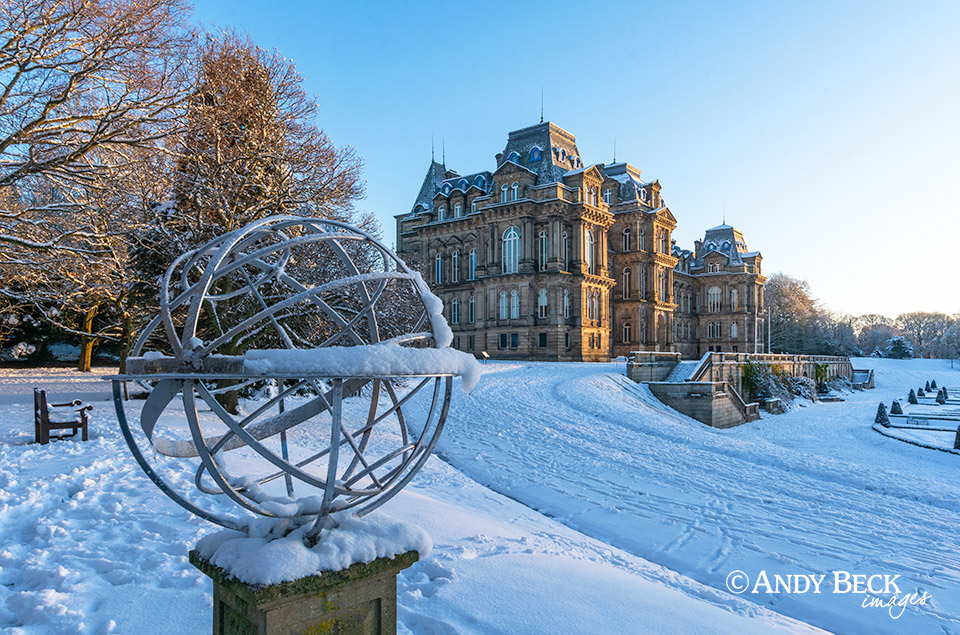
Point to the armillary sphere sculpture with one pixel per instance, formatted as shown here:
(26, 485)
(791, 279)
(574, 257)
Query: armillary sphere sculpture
(299, 314)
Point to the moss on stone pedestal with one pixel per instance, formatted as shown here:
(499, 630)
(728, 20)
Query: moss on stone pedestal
(361, 599)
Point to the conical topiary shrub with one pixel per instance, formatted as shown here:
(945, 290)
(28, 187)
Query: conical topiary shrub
(933, 384)
(895, 408)
(882, 417)
(927, 387)
(940, 398)
(956, 440)
(920, 392)
(944, 389)
(912, 397)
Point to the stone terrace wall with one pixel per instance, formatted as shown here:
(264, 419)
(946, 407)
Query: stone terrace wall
(726, 366)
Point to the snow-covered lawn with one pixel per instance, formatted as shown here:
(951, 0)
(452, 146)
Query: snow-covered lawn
(647, 513)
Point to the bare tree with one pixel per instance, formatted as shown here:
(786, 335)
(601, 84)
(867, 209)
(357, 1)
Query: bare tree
(924, 330)
(90, 89)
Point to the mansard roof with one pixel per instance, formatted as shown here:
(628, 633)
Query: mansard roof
(727, 241)
(432, 182)
(558, 151)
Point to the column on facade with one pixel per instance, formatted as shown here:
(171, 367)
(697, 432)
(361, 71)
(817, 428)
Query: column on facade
(494, 255)
(554, 239)
(576, 244)
(526, 228)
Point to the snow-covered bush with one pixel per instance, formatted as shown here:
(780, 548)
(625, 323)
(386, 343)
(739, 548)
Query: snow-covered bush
(899, 348)
(21, 350)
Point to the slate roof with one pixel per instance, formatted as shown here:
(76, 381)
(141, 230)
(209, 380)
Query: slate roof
(558, 151)
(726, 240)
(432, 183)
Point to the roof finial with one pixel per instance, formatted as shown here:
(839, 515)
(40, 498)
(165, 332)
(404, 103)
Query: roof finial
(614, 149)
(724, 213)
(541, 104)
(443, 146)
(433, 158)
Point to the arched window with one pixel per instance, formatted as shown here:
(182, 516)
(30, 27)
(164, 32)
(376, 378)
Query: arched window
(446, 188)
(563, 252)
(438, 269)
(462, 184)
(542, 303)
(455, 267)
(714, 296)
(588, 251)
(472, 272)
(542, 249)
(643, 195)
(515, 191)
(626, 333)
(566, 303)
(479, 181)
(626, 282)
(455, 311)
(596, 305)
(733, 331)
(511, 250)
(471, 310)
(734, 302)
(626, 239)
(514, 157)
(504, 307)
(514, 304)
(606, 196)
(441, 213)
(504, 193)
(457, 211)
(534, 154)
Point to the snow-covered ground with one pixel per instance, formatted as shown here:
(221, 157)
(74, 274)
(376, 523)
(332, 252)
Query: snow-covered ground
(645, 514)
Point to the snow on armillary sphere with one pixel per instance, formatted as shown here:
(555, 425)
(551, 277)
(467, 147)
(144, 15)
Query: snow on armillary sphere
(265, 334)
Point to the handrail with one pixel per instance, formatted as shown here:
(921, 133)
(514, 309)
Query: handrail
(702, 367)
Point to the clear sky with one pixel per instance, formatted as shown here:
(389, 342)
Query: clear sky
(829, 132)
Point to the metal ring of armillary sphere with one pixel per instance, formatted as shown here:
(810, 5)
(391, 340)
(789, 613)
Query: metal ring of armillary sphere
(299, 314)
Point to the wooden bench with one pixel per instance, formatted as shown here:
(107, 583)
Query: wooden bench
(69, 416)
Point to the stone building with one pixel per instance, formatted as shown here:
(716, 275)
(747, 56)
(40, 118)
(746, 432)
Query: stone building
(547, 258)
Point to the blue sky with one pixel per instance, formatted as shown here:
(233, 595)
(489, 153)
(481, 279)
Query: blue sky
(829, 132)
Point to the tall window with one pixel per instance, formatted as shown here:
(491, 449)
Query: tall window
(455, 311)
(588, 251)
(733, 331)
(511, 250)
(714, 296)
(662, 286)
(734, 301)
(626, 333)
(471, 310)
(640, 237)
(504, 193)
(472, 272)
(504, 307)
(515, 191)
(626, 282)
(514, 304)
(438, 269)
(643, 283)
(457, 211)
(542, 303)
(441, 213)
(563, 252)
(606, 196)
(455, 267)
(626, 239)
(566, 303)
(542, 250)
(473, 206)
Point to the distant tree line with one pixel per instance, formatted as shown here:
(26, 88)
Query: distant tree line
(126, 138)
(800, 324)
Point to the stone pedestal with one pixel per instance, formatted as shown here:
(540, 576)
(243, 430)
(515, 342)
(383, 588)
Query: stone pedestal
(361, 599)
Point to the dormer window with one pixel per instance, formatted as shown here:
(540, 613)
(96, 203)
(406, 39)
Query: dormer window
(534, 154)
(606, 196)
(514, 157)
(479, 181)
(643, 194)
(446, 189)
(463, 184)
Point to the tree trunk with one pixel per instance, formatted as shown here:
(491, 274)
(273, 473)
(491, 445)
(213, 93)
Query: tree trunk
(87, 341)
